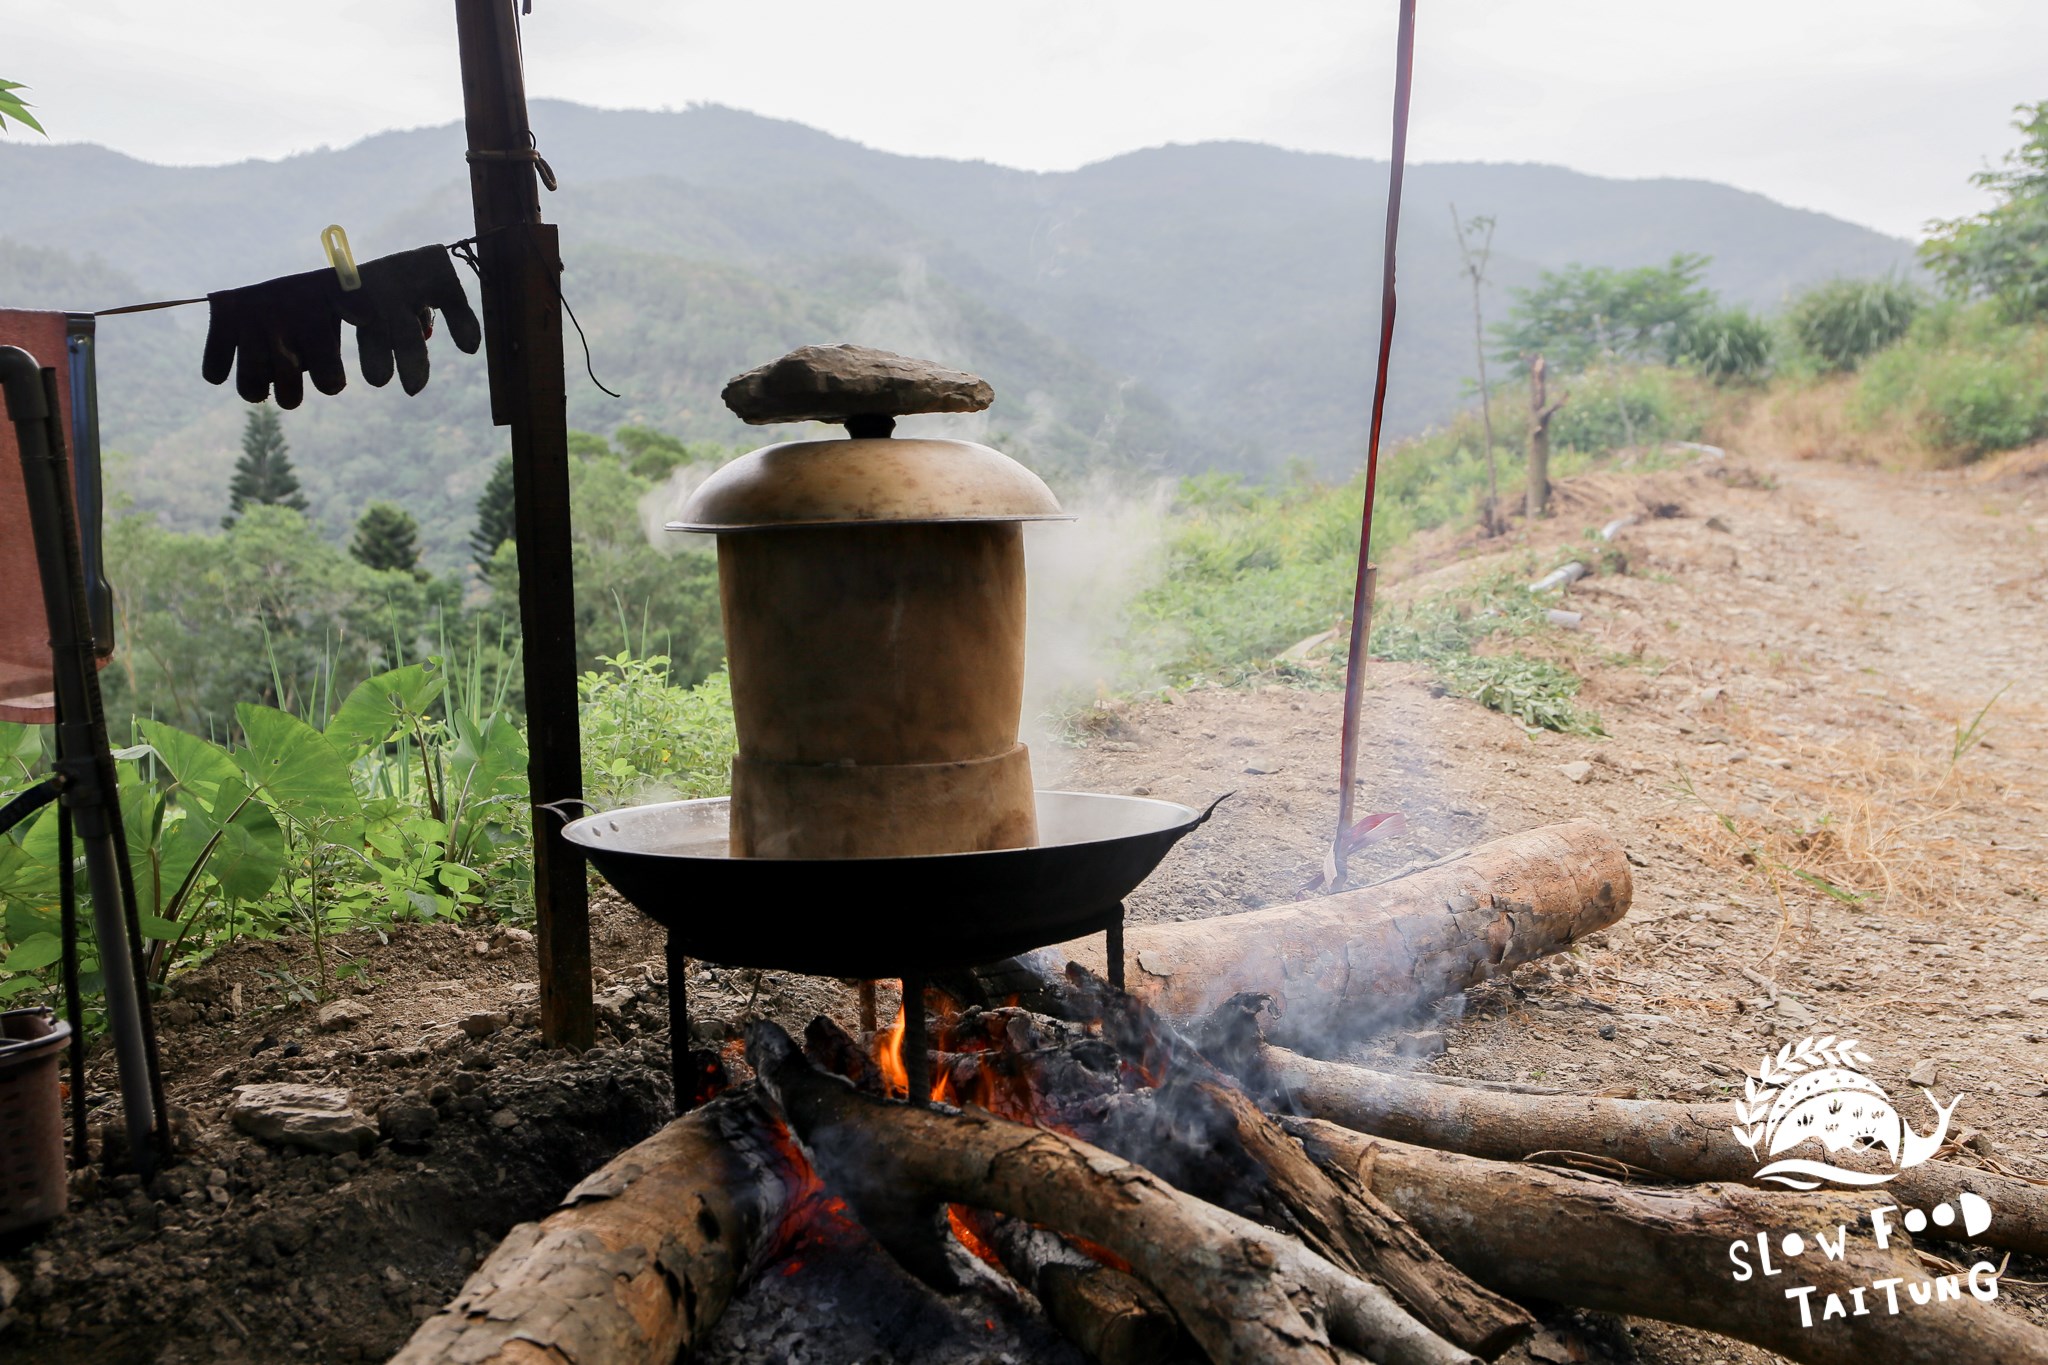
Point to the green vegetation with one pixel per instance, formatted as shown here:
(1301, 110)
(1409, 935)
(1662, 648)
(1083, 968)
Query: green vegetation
(2002, 253)
(1839, 323)
(1584, 315)
(1964, 381)
(263, 475)
(1726, 345)
(409, 803)
(13, 106)
(493, 517)
(386, 538)
(645, 738)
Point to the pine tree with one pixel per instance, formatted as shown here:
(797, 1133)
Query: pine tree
(264, 473)
(493, 516)
(387, 538)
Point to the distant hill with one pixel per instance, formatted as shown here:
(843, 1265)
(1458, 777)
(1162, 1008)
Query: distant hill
(1179, 308)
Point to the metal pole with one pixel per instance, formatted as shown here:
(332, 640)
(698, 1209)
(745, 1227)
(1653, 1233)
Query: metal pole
(522, 317)
(1114, 948)
(82, 755)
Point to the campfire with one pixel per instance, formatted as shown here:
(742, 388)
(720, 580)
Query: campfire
(1139, 1134)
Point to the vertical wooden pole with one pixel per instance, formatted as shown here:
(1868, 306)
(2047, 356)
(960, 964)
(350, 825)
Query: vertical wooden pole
(521, 290)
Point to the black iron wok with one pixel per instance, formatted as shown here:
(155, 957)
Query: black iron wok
(882, 917)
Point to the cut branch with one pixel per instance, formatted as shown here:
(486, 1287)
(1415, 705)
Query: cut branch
(1111, 1317)
(641, 1258)
(1242, 1292)
(1666, 1253)
(1342, 965)
(1664, 1138)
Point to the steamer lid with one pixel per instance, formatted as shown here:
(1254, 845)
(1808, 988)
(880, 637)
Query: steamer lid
(872, 480)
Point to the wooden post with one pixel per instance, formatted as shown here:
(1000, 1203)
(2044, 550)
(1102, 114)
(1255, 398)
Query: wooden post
(521, 289)
(1537, 503)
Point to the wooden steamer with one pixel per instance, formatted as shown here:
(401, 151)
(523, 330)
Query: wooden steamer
(873, 596)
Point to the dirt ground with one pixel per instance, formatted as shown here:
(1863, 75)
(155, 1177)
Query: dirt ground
(1787, 659)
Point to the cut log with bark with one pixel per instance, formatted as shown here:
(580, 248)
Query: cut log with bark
(1110, 1316)
(1212, 1141)
(1659, 1137)
(1244, 1293)
(1345, 964)
(1670, 1253)
(641, 1258)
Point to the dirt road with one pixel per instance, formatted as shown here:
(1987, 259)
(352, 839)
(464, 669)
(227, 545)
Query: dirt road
(1788, 669)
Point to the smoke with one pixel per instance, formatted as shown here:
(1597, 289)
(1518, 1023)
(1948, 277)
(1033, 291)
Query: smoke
(663, 504)
(1084, 578)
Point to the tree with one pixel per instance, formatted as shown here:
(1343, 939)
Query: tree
(1541, 410)
(2003, 252)
(1475, 270)
(263, 475)
(387, 538)
(1582, 314)
(493, 517)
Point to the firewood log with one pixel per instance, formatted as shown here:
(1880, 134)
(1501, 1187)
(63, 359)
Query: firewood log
(641, 1258)
(1111, 1317)
(1664, 1138)
(1345, 964)
(1666, 1253)
(1211, 1140)
(1244, 1293)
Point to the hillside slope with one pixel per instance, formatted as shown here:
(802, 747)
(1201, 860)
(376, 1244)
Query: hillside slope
(1176, 308)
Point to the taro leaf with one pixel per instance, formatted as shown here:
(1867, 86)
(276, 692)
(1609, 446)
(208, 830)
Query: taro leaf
(370, 713)
(33, 952)
(21, 753)
(198, 767)
(250, 856)
(156, 926)
(24, 919)
(142, 813)
(302, 775)
(28, 860)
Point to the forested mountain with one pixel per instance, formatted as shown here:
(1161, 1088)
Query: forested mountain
(1179, 308)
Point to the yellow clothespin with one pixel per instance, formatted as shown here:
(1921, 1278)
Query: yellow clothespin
(335, 242)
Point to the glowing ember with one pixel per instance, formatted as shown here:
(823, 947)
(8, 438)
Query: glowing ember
(963, 1221)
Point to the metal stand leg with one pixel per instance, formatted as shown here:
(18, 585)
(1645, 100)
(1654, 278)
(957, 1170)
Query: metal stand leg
(679, 1069)
(1115, 935)
(917, 1057)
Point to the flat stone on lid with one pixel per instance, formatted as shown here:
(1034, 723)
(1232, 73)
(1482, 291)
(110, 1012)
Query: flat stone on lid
(834, 383)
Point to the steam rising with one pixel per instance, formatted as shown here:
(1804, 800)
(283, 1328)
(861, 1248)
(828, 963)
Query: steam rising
(1084, 577)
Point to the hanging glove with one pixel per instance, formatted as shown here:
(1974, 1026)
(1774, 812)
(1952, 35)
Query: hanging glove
(271, 334)
(393, 313)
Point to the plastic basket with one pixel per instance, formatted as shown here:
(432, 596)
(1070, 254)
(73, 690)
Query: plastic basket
(33, 1189)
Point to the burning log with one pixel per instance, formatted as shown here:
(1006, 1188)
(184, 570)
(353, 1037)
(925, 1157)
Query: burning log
(1242, 1292)
(1216, 1144)
(1676, 1141)
(641, 1258)
(1665, 1253)
(1111, 1317)
(1344, 964)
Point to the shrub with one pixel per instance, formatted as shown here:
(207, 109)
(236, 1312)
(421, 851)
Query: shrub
(1838, 323)
(642, 731)
(1614, 407)
(1963, 382)
(1727, 346)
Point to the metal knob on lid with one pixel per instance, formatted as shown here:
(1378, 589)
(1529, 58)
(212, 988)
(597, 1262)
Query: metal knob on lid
(873, 597)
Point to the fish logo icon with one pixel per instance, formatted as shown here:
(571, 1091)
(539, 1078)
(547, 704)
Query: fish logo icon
(1816, 1091)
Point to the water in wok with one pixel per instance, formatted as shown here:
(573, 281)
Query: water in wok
(880, 917)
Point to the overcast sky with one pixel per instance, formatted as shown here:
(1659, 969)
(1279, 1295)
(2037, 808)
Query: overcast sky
(1874, 110)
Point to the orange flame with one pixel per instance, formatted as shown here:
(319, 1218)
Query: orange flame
(961, 1220)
